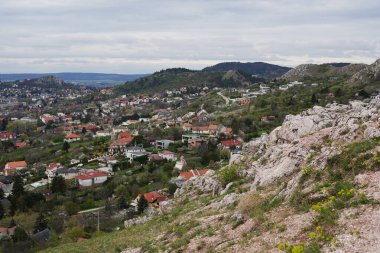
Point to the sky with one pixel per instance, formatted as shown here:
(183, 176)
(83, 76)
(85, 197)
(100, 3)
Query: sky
(140, 36)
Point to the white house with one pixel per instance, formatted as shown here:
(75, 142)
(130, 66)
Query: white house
(91, 178)
(168, 155)
(135, 151)
(163, 144)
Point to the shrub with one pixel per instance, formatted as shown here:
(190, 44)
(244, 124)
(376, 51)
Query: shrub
(228, 175)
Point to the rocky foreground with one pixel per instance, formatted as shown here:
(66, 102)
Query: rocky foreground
(311, 185)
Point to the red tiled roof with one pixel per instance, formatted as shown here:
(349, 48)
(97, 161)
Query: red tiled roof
(90, 175)
(154, 196)
(187, 125)
(16, 164)
(72, 136)
(21, 144)
(7, 135)
(186, 175)
(230, 143)
(53, 166)
(123, 135)
(123, 140)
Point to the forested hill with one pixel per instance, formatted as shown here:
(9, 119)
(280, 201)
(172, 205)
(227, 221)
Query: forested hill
(179, 77)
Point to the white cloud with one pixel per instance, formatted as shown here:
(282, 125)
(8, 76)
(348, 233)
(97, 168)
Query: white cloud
(131, 36)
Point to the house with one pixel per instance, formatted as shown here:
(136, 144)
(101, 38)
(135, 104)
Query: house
(187, 175)
(7, 232)
(47, 117)
(187, 137)
(230, 144)
(68, 173)
(125, 135)
(89, 128)
(153, 198)
(72, 137)
(181, 163)
(195, 143)
(163, 144)
(155, 157)
(119, 145)
(168, 155)
(187, 127)
(200, 130)
(12, 168)
(103, 133)
(134, 152)
(5, 136)
(213, 129)
(92, 178)
(21, 144)
(52, 168)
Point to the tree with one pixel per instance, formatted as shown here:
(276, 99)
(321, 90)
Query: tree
(58, 185)
(71, 208)
(314, 99)
(84, 130)
(65, 146)
(122, 203)
(18, 186)
(108, 207)
(40, 224)
(1, 210)
(20, 235)
(2, 195)
(142, 204)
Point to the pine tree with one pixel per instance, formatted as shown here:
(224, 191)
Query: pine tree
(41, 223)
(65, 146)
(18, 186)
(314, 99)
(2, 195)
(1, 210)
(122, 203)
(58, 185)
(142, 204)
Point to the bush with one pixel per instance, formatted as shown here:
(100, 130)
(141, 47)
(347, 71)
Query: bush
(228, 175)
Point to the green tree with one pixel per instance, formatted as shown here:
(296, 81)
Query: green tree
(1, 210)
(40, 224)
(20, 235)
(18, 186)
(314, 99)
(58, 185)
(2, 195)
(142, 204)
(122, 203)
(71, 208)
(65, 146)
(84, 130)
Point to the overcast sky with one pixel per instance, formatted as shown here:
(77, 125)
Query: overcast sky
(138, 36)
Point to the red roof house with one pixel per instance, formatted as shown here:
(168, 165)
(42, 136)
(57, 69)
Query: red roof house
(91, 178)
(186, 175)
(230, 143)
(72, 137)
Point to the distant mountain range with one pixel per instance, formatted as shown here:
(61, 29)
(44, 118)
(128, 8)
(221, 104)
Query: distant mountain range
(88, 79)
(259, 69)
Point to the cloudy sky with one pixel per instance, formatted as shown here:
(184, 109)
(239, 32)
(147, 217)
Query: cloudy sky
(139, 36)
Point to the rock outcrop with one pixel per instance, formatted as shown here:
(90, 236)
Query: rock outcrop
(319, 131)
(367, 75)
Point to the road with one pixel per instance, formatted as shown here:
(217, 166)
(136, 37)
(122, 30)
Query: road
(224, 97)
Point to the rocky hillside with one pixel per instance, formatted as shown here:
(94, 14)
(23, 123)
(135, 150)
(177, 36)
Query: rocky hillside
(259, 69)
(367, 75)
(311, 185)
(315, 71)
